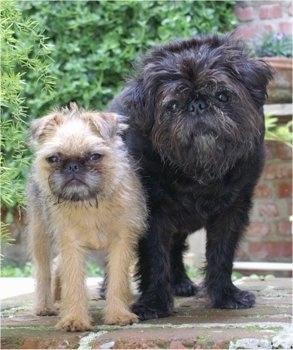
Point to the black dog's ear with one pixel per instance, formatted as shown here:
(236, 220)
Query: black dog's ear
(141, 105)
(134, 103)
(256, 75)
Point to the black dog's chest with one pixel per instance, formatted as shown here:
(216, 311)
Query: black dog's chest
(178, 201)
(186, 206)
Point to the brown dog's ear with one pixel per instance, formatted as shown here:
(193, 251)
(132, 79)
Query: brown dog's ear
(107, 125)
(43, 127)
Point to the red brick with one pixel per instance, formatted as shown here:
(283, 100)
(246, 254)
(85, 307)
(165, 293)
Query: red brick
(176, 344)
(285, 189)
(270, 11)
(248, 31)
(262, 191)
(272, 250)
(244, 13)
(268, 28)
(286, 28)
(290, 207)
(284, 228)
(269, 210)
(258, 229)
(283, 151)
(277, 171)
(270, 149)
(241, 254)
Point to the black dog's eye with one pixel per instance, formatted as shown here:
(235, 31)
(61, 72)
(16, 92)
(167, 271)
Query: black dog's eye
(53, 159)
(223, 97)
(95, 157)
(172, 106)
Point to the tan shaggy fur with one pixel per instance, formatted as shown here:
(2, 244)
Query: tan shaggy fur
(83, 193)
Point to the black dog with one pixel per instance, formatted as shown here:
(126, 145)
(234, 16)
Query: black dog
(196, 120)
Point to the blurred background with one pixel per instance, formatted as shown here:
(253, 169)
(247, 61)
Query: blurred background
(54, 52)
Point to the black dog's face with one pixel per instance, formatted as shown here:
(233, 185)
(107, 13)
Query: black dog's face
(202, 102)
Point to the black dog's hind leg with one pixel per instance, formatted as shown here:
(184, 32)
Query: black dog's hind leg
(154, 275)
(103, 288)
(180, 283)
(223, 235)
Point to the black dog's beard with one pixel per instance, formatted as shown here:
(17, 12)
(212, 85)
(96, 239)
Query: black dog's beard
(205, 148)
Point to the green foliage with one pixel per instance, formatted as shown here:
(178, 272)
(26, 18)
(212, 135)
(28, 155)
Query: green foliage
(97, 42)
(92, 46)
(93, 270)
(10, 269)
(273, 44)
(193, 272)
(23, 51)
(277, 132)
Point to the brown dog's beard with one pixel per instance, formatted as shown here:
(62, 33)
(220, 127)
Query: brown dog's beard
(74, 189)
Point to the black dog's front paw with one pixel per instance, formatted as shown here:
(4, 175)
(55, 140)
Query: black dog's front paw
(147, 308)
(143, 312)
(235, 299)
(184, 288)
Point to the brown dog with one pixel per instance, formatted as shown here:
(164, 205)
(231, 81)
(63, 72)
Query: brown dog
(83, 193)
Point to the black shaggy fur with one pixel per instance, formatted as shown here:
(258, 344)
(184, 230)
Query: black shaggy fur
(195, 111)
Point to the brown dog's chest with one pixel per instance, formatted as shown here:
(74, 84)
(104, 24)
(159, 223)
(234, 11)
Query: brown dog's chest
(91, 228)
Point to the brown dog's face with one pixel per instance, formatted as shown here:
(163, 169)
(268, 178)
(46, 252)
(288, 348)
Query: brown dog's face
(75, 153)
(75, 177)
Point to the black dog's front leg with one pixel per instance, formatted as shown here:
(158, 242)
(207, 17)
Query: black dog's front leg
(154, 275)
(180, 282)
(223, 235)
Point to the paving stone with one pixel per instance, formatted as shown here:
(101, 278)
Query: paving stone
(194, 326)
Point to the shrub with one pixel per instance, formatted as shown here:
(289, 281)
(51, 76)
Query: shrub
(273, 44)
(97, 42)
(93, 45)
(278, 132)
(23, 50)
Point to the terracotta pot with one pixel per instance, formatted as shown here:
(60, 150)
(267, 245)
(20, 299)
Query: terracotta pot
(280, 89)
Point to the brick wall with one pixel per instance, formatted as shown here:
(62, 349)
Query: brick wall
(268, 237)
(258, 17)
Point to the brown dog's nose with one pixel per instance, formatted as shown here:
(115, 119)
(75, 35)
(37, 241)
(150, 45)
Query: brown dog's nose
(72, 167)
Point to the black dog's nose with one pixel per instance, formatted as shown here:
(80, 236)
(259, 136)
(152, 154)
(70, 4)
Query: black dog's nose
(72, 167)
(198, 105)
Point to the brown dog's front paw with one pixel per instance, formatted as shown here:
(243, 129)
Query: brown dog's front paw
(70, 324)
(46, 311)
(121, 319)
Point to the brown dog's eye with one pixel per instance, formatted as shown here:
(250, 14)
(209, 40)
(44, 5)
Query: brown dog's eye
(53, 159)
(95, 157)
(222, 97)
